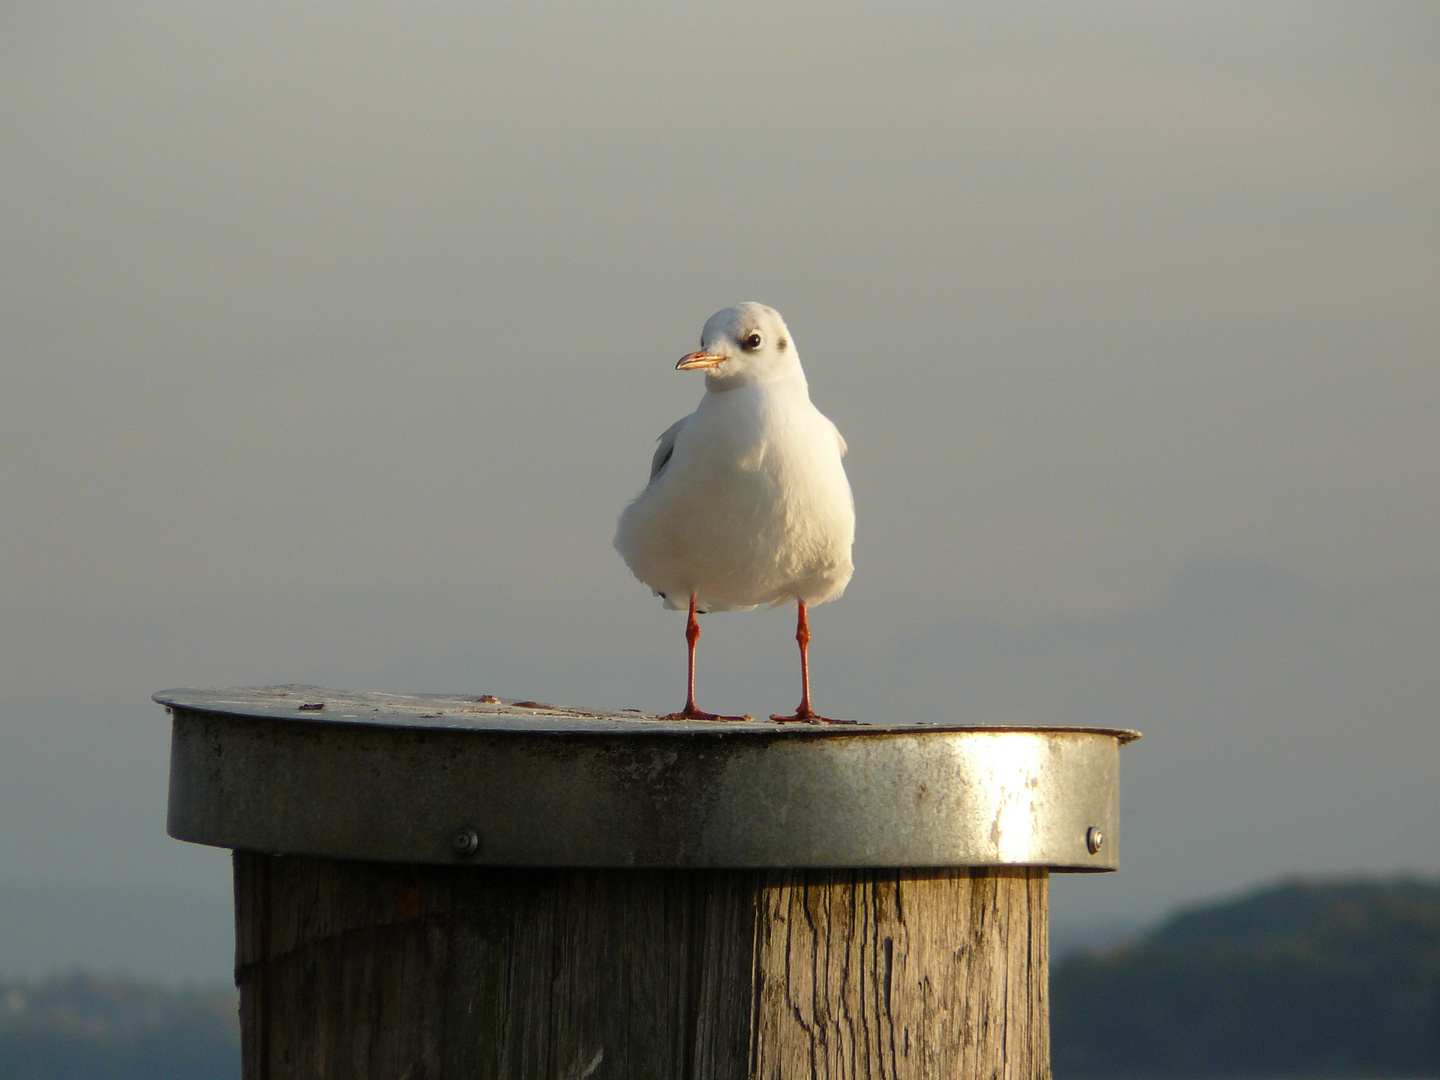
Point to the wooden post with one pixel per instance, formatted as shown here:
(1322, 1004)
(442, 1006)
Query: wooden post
(381, 970)
(663, 958)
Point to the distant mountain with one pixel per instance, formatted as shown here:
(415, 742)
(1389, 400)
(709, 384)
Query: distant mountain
(1339, 978)
(87, 1027)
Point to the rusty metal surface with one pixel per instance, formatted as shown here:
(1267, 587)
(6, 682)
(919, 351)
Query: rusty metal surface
(410, 778)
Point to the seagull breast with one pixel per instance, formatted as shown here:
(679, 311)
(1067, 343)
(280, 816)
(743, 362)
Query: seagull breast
(749, 505)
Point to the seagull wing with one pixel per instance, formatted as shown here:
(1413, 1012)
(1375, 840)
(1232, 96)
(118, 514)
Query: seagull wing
(666, 448)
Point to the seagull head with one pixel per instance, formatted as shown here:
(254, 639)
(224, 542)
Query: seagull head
(748, 343)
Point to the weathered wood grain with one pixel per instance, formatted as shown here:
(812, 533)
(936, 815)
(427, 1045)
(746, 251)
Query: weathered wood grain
(370, 970)
(908, 974)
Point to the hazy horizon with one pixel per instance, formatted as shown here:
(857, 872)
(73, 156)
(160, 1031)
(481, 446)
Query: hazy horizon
(332, 344)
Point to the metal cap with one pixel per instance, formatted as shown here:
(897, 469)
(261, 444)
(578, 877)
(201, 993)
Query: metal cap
(427, 778)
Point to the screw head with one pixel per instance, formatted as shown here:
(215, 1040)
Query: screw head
(466, 841)
(1094, 840)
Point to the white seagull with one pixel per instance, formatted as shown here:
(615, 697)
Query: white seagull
(747, 502)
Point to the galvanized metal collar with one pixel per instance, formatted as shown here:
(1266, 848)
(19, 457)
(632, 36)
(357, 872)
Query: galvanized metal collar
(471, 779)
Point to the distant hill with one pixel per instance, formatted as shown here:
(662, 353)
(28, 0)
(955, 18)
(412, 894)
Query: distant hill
(89, 1027)
(1338, 978)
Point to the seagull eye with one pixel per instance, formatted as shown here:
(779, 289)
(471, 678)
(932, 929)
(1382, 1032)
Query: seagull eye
(752, 340)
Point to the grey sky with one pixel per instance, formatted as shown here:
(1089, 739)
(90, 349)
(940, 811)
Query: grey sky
(332, 342)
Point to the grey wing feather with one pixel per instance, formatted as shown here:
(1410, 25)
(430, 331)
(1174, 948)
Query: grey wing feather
(666, 448)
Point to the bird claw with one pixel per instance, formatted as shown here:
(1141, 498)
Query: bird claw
(696, 714)
(809, 716)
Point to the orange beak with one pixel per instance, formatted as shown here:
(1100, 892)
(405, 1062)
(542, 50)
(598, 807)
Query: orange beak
(697, 360)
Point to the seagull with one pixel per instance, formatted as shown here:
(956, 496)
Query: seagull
(748, 502)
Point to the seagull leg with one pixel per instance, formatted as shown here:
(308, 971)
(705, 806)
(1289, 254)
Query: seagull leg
(804, 714)
(692, 635)
(802, 635)
(690, 712)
